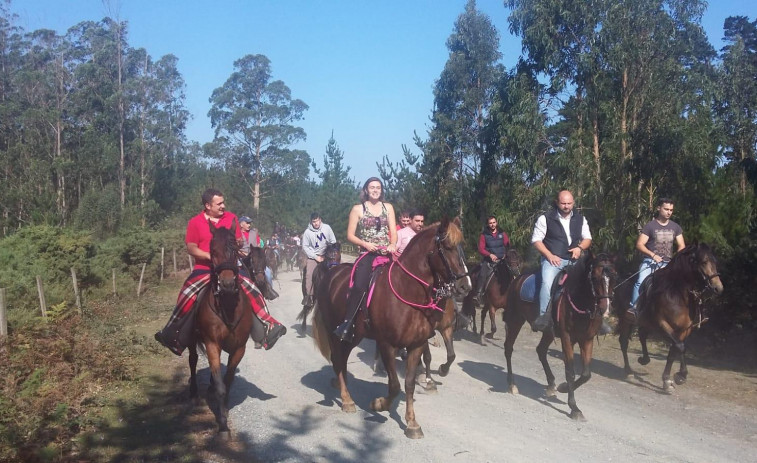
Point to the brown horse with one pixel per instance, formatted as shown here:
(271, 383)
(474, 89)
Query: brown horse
(272, 260)
(255, 262)
(576, 315)
(402, 311)
(670, 301)
(224, 321)
(331, 258)
(291, 252)
(495, 293)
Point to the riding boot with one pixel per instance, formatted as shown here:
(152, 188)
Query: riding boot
(633, 312)
(483, 277)
(345, 330)
(544, 321)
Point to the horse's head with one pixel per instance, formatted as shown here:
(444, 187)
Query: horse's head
(603, 276)
(446, 257)
(704, 260)
(514, 262)
(224, 253)
(333, 254)
(257, 267)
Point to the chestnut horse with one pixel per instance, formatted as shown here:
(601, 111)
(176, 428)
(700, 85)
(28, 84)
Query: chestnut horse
(670, 301)
(576, 316)
(224, 321)
(402, 310)
(495, 293)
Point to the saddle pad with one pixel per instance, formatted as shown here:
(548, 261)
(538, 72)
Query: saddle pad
(529, 288)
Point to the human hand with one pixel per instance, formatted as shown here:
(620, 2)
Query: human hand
(575, 253)
(554, 260)
(493, 258)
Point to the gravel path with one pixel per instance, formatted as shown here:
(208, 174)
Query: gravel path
(284, 409)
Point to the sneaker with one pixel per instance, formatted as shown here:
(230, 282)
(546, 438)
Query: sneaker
(604, 328)
(542, 322)
(173, 348)
(273, 335)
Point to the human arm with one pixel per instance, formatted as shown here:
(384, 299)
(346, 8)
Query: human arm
(584, 243)
(194, 250)
(551, 258)
(641, 246)
(680, 244)
(352, 228)
(482, 249)
(392, 229)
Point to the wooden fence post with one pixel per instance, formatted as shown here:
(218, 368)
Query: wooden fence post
(41, 292)
(174, 262)
(76, 290)
(162, 256)
(113, 271)
(141, 276)
(3, 314)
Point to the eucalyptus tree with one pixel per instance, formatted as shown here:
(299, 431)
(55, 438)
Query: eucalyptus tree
(455, 149)
(737, 100)
(254, 116)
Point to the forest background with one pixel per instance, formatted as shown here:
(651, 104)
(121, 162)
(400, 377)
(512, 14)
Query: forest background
(620, 102)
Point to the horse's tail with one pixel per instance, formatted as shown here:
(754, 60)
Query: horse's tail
(321, 334)
(303, 315)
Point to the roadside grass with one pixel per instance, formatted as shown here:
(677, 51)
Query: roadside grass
(97, 387)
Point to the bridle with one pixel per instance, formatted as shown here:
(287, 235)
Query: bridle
(604, 280)
(441, 289)
(230, 264)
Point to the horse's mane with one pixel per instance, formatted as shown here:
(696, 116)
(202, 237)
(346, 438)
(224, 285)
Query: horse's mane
(454, 234)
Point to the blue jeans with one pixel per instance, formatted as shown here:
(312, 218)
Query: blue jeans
(269, 276)
(548, 274)
(648, 265)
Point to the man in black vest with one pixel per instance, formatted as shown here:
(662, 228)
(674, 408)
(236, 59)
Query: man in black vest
(560, 236)
(492, 245)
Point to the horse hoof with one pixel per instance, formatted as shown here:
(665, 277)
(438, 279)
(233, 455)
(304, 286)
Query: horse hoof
(379, 404)
(577, 415)
(414, 433)
(514, 390)
(563, 388)
(679, 378)
(668, 387)
(643, 360)
(482, 340)
(224, 436)
(443, 370)
(428, 385)
(490, 335)
(551, 391)
(349, 407)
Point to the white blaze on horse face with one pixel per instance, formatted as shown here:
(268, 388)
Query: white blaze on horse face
(606, 281)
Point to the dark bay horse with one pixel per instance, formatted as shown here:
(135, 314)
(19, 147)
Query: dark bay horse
(670, 301)
(331, 258)
(255, 262)
(495, 293)
(272, 259)
(402, 311)
(576, 316)
(224, 321)
(291, 252)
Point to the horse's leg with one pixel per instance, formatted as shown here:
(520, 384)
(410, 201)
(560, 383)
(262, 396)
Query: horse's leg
(643, 333)
(570, 376)
(624, 332)
(376, 356)
(413, 430)
(484, 311)
(683, 372)
(492, 311)
(193, 373)
(541, 351)
(340, 351)
(513, 324)
(388, 355)
(231, 369)
(587, 348)
(213, 351)
(673, 353)
(447, 335)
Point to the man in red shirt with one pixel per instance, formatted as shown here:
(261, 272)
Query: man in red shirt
(178, 330)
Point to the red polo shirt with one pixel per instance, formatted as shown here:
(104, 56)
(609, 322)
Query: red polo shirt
(198, 232)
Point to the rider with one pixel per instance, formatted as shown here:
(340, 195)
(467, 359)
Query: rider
(655, 243)
(404, 235)
(314, 241)
(560, 236)
(371, 227)
(404, 220)
(275, 244)
(492, 245)
(250, 237)
(198, 237)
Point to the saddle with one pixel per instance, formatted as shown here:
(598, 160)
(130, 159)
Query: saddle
(529, 290)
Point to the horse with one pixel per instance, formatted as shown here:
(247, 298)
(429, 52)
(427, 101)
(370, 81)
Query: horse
(670, 301)
(401, 311)
(255, 262)
(331, 258)
(577, 313)
(272, 259)
(224, 321)
(290, 255)
(495, 293)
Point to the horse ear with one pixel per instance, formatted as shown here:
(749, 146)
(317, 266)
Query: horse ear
(443, 225)
(458, 222)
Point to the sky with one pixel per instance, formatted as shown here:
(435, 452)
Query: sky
(365, 69)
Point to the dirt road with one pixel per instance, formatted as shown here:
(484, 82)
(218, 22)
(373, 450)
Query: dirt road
(284, 408)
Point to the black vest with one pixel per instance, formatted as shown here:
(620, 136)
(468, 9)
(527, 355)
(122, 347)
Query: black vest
(495, 244)
(555, 239)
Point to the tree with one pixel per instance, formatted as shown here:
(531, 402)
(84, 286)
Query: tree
(337, 190)
(253, 116)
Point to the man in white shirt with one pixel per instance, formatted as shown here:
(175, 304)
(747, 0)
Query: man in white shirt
(560, 236)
